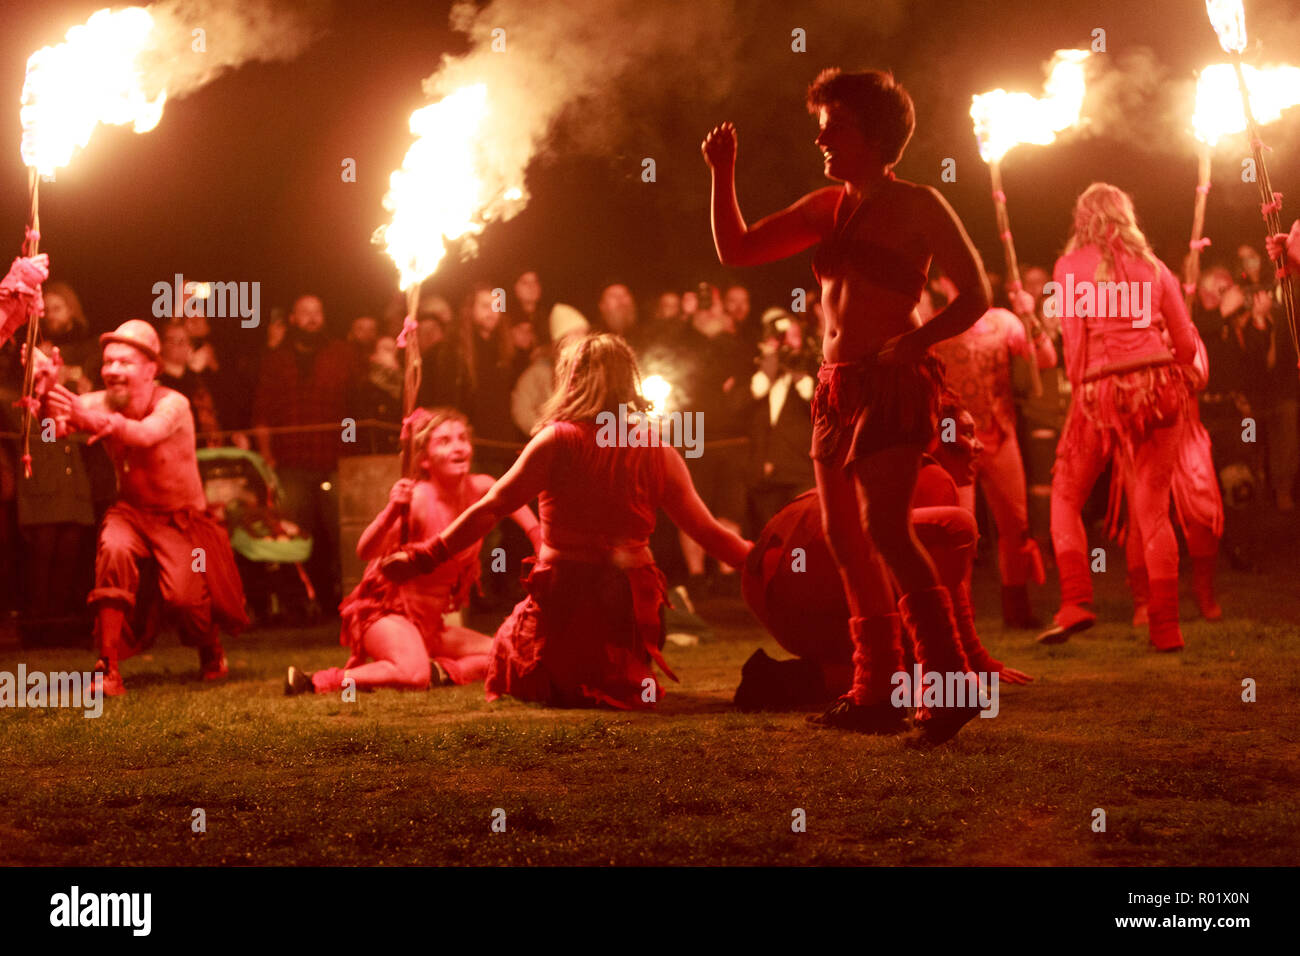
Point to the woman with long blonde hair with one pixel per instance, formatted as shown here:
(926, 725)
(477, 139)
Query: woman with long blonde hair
(590, 629)
(1114, 299)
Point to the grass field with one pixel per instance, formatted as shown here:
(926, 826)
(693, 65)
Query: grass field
(1186, 771)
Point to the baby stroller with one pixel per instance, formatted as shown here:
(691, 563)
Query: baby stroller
(269, 550)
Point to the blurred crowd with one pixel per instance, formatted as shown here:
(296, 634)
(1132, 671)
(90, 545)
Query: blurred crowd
(749, 370)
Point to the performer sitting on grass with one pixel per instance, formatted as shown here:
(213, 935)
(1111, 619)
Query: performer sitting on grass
(161, 513)
(875, 405)
(400, 627)
(591, 625)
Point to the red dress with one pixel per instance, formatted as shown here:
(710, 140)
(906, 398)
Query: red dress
(589, 630)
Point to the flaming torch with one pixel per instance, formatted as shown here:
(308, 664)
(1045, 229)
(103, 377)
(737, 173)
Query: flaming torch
(1228, 17)
(1004, 120)
(93, 77)
(449, 186)
(1219, 113)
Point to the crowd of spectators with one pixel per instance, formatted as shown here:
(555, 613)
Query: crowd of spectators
(749, 372)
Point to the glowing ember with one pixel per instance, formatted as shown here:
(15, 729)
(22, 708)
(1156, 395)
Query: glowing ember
(1003, 120)
(1218, 100)
(656, 389)
(448, 186)
(1228, 17)
(92, 77)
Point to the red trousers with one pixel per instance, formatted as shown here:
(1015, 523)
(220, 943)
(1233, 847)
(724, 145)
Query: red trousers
(1001, 475)
(192, 577)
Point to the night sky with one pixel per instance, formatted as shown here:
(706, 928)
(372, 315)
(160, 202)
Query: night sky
(241, 180)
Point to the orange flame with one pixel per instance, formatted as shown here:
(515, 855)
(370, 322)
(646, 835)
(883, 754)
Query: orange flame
(448, 187)
(93, 77)
(1219, 111)
(1004, 120)
(1228, 17)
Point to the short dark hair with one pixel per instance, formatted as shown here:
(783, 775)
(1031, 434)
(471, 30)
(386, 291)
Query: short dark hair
(882, 108)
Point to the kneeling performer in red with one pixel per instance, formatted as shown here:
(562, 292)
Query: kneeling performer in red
(591, 627)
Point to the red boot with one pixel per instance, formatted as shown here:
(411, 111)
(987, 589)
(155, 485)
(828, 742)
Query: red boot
(1163, 624)
(977, 655)
(1076, 594)
(877, 656)
(1203, 585)
(328, 681)
(928, 617)
(110, 619)
(1141, 590)
(212, 661)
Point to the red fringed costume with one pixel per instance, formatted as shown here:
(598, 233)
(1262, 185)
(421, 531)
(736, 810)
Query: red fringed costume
(1129, 396)
(422, 601)
(591, 626)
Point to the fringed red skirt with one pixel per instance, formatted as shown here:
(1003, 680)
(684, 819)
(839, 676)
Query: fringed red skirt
(586, 635)
(444, 590)
(1126, 408)
(864, 407)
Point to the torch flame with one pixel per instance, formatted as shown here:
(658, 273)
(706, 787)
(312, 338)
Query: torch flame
(1003, 120)
(92, 77)
(1218, 110)
(657, 389)
(448, 187)
(1228, 17)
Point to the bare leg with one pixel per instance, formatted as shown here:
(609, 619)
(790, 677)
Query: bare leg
(400, 660)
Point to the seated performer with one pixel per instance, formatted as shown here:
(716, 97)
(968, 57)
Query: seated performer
(877, 391)
(591, 626)
(804, 622)
(1129, 392)
(400, 627)
(160, 514)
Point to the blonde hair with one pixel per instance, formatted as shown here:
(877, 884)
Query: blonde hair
(420, 425)
(1104, 217)
(593, 374)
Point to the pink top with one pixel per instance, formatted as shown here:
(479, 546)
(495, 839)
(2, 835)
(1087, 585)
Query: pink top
(1113, 340)
(600, 500)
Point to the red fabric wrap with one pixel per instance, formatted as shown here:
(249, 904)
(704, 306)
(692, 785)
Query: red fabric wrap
(447, 587)
(864, 407)
(585, 635)
(200, 603)
(1126, 407)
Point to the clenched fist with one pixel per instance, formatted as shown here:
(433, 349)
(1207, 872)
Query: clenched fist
(719, 147)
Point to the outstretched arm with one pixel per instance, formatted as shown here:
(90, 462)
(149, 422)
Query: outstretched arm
(167, 416)
(781, 234)
(518, 486)
(690, 514)
(523, 517)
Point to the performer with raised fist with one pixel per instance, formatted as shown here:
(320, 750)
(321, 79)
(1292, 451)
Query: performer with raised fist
(875, 407)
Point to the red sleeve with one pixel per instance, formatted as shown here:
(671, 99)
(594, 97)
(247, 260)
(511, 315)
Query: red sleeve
(1172, 307)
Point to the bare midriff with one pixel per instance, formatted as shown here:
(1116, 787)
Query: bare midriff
(625, 556)
(861, 315)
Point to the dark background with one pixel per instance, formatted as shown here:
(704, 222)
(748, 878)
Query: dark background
(240, 180)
